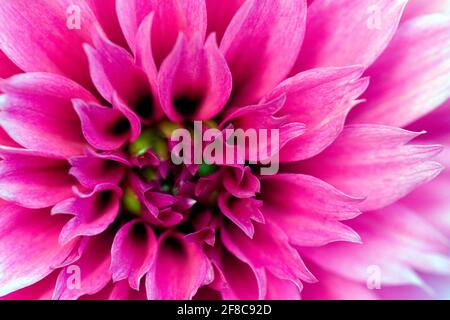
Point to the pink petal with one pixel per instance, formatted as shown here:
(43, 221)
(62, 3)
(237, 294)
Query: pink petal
(121, 291)
(265, 37)
(32, 179)
(37, 112)
(105, 11)
(240, 182)
(113, 71)
(133, 252)
(241, 212)
(98, 168)
(258, 252)
(220, 14)
(94, 212)
(311, 217)
(417, 8)
(105, 128)
(376, 163)
(51, 47)
(321, 99)
(195, 82)
(179, 270)
(42, 290)
(29, 246)
(92, 270)
(342, 33)
(412, 77)
(280, 289)
(7, 67)
(188, 17)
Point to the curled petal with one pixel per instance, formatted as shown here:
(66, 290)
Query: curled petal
(93, 212)
(133, 252)
(180, 268)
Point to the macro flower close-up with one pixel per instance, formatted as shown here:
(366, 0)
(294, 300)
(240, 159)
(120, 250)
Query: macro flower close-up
(224, 149)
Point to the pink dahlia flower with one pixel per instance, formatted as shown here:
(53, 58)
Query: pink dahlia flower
(94, 207)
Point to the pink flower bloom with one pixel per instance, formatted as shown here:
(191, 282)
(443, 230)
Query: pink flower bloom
(93, 207)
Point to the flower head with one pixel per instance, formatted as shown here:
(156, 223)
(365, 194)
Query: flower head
(96, 204)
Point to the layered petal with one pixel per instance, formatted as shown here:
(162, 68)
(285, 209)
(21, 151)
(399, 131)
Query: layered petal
(54, 46)
(93, 212)
(37, 112)
(261, 45)
(179, 270)
(311, 217)
(188, 17)
(220, 14)
(106, 128)
(28, 254)
(342, 33)
(194, 81)
(133, 252)
(376, 163)
(320, 99)
(32, 179)
(90, 274)
(7, 67)
(412, 77)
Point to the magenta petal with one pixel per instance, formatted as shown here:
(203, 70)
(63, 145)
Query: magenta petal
(376, 163)
(92, 271)
(343, 33)
(97, 168)
(7, 67)
(121, 291)
(179, 270)
(32, 179)
(258, 252)
(103, 127)
(241, 212)
(194, 81)
(312, 216)
(281, 289)
(220, 14)
(28, 254)
(241, 182)
(133, 252)
(416, 8)
(93, 212)
(53, 47)
(321, 99)
(412, 77)
(265, 37)
(187, 16)
(37, 112)
(42, 290)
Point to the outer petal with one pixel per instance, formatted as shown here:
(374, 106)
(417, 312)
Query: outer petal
(376, 163)
(179, 270)
(311, 217)
(29, 246)
(321, 99)
(258, 252)
(261, 45)
(347, 32)
(90, 274)
(412, 77)
(7, 67)
(220, 14)
(33, 180)
(36, 111)
(35, 35)
(194, 81)
(188, 17)
(417, 8)
(133, 252)
(94, 212)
